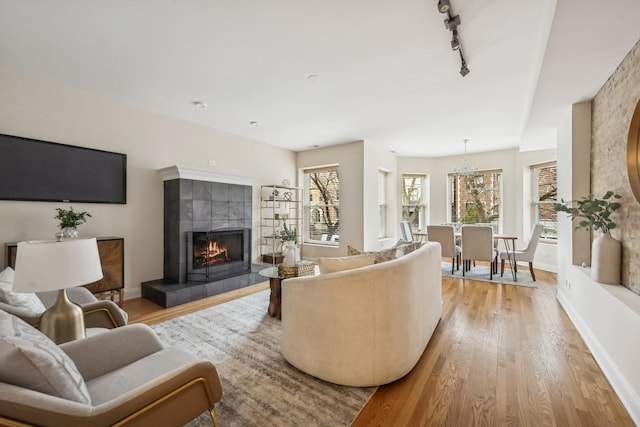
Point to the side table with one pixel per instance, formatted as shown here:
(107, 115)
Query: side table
(275, 283)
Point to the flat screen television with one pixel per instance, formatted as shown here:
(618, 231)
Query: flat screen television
(47, 171)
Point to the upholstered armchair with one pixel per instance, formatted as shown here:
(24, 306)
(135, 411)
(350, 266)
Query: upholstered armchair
(103, 314)
(124, 376)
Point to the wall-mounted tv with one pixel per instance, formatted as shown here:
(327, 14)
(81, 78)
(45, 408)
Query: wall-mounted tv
(47, 171)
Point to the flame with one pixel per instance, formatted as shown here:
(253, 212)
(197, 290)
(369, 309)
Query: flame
(214, 253)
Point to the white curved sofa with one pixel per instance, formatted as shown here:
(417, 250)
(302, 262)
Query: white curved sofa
(366, 326)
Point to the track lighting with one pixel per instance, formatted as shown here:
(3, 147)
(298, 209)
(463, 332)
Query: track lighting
(443, 6)
(455, 43)
(451, 23)
(464, 70)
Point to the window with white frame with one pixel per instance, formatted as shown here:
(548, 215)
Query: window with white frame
(544, 194)
(476, 197)
(382, 203)
(322, 205)
(414, 200)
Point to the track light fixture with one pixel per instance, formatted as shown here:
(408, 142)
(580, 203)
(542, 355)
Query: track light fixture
(443, 6)
(451, 23)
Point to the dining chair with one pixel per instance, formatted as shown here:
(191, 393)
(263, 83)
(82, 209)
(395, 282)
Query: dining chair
(405, 229)
(527, 254)
(445, 235)
(477, 245)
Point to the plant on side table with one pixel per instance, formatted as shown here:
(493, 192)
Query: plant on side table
(606, 251)
(69, 220)
(289, 249)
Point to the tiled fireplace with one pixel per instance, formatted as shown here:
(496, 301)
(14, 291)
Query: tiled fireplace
(207, 236)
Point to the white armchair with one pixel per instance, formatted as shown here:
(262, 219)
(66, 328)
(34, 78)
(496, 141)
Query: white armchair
(525, 255)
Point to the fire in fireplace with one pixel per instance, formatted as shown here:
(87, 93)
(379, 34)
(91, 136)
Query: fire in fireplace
(219, 253)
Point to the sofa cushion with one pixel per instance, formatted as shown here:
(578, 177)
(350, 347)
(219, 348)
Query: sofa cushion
(333, 264)
(407, 248)
(26, 301)
(31, 360)
(381, 255)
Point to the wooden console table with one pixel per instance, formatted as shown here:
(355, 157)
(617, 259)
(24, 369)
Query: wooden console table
(111, 251)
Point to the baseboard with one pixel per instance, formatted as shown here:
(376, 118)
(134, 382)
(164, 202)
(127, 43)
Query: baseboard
(623, 389)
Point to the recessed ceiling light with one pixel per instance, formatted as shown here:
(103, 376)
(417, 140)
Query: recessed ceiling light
(393, 151)
(199, 104)
(315, 146)
(312, 77)
(254, 123)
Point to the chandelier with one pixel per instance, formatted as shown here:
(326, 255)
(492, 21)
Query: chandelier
(465, 169)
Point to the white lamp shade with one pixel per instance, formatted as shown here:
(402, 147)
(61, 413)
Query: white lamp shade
(47, 265)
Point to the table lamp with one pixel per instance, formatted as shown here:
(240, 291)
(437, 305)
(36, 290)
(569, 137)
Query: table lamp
(47, 265)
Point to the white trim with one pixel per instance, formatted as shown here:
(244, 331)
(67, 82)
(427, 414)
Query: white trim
(188, 172)
(623, 389)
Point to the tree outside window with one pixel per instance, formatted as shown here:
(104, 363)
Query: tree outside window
(413, 200)
(322, 187)
(476, 197)
(544, 179)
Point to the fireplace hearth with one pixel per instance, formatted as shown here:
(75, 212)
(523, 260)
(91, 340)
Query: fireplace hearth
(207, 236)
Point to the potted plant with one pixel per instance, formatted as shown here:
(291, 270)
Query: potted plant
(289, 249)
(69, 220)
(595, 214)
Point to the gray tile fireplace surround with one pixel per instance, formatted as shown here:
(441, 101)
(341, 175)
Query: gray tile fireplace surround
(196, 205)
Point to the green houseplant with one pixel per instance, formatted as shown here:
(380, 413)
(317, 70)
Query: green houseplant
(69, 220)
(606, 252)
(595, 212)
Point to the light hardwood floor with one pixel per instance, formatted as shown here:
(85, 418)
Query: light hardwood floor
(501, 356)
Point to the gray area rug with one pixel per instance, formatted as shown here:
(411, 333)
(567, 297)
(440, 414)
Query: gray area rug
(481, 273)
(259, 387)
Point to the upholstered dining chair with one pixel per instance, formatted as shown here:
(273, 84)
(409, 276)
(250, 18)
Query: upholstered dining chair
(405, 229)
(527, 254)
(445, 235)
(477, 245)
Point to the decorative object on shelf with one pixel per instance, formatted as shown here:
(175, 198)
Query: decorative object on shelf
(606, 251)
(69, 222)
(287, 195)
(286, 183)
(48, 266)
(275, 194)
(633, 153)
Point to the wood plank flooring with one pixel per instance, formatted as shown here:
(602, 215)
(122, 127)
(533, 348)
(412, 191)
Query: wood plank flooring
(501, 356)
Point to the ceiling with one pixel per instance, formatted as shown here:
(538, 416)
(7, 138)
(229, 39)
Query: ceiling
(385, 71)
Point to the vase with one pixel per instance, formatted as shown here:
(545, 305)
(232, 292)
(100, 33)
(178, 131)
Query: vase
(606, 259)
(289, 252)
(70, 232)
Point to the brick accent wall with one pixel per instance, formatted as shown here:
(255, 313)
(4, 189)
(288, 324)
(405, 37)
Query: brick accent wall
(612, 109)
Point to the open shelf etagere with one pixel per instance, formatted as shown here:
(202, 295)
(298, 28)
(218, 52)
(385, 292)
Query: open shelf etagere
(278, 203)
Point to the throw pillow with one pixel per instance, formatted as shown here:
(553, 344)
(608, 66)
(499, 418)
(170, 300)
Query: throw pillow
(330, 265)
(381, 256)
(26, 301)
(31, 360)
(407, 248)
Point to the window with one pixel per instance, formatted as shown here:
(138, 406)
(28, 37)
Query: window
(544, 194)
(476, 197)
(322, 208)
(414, 201)
(382, 204)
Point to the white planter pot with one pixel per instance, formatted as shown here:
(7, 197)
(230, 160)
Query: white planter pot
(289, 252)
(606, 259)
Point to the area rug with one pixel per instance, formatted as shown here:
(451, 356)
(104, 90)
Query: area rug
(481, 273)
(259, 387)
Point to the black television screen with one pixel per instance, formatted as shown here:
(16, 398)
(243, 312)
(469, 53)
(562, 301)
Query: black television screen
(46, 171)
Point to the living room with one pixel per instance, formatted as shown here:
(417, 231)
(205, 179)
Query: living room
(36, 107)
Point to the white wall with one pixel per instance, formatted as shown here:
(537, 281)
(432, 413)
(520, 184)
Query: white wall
(43, 110)
(606, 316)
(512, 162)
(350, 158)
(375, 159)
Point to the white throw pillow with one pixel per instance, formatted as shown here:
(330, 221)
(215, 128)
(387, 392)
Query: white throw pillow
(330, 265)
(26, 301)
(31, 360)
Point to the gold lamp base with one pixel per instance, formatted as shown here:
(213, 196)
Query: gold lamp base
(63, 321)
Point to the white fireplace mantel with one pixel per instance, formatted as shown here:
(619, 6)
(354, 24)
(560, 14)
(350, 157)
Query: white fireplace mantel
(188, 172)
